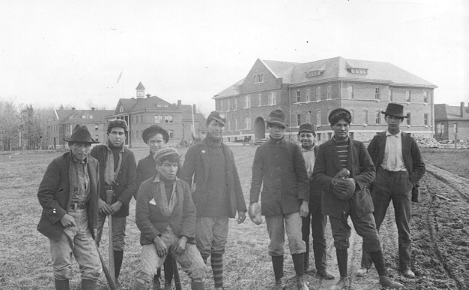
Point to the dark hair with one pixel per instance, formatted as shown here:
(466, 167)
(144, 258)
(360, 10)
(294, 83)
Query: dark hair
(173, 158)
(71, 143)
(341, 116)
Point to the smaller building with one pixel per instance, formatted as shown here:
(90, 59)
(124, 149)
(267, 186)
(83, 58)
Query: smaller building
(65, 120)
(451, 122)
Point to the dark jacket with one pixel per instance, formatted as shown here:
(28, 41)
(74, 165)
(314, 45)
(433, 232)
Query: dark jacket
(150, 219)
(279, 168)
(54, 196)
(195, 171)
(126, 178)
(361, 169)
(410, 153)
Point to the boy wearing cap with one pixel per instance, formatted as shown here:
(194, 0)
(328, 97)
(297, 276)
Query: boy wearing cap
(315, 218)
(68, 194)
(156, 138)
(166, 216)
(279, 169)
(210, 169)
(340, 200)
(399, 167)
(117, 172)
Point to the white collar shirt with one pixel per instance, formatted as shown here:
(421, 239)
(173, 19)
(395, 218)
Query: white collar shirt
(393, 160)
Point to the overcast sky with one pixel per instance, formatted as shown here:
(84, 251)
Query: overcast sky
(72, 52)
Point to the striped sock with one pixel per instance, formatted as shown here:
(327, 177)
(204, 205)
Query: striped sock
(217, 268)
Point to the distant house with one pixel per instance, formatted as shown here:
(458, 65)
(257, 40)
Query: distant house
(307, 92)
(181, 121)
(451, 122)
(65, 120)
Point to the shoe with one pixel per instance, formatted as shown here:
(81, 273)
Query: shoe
(301, 284)
(325, 275)
(167, 286)
(408, 274)
(387, 282)
(342, 284)
(279, 285)
(362, 272)
(156, 284)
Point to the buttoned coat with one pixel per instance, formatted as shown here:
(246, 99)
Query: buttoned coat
(361, 168)
(152, 222)
(126, 183)
(410, 153)
(279, 170)
(54, 195)
(195, 172)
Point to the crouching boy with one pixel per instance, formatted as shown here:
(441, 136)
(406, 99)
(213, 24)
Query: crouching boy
(166, 216)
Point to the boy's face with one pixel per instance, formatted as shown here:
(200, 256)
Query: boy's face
(276, 131)
(156, 143)
(341, 129)
(306, 139)
(168, 169)
(117, 136)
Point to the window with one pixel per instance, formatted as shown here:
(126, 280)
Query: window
(352, 115)
(408, 119)
(247, 123)
(171, 133)
(168, 119)
(235, 102)
(221, 105)
(121, 109)
(158, 119)
(442, 128)
(314, 73)
(229, 125)
(408, 95)
(329, 93)
(425, 119)
(425, 96)
(391, 95)
(136, 135)
(318, 93)
(272, 99)
(141, 119)
(308, 117)
(90, 116)
(259, 100)
(319, 137)
(96, 127)
(365, 115)
(96, 137)
(298, 96)
(350, 91)
(308, 95)
(377, 94)
(378, 117)
(247, 101)
(236, 124)
(360, 71)
(318, 118)
(298, 119)
(259, 78)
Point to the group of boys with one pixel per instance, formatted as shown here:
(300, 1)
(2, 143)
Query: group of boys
(184, 214)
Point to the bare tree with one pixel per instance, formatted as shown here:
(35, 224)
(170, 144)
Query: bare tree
(9, 125)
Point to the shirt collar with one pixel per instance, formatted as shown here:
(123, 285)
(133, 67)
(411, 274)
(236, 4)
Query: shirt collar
(84, 162)
(397, 135)
(158, 178)
(109, 148)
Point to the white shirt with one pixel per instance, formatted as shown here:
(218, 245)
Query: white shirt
(309, 158)
(393, 160)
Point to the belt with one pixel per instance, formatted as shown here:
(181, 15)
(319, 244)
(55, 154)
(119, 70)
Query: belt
(75, 206)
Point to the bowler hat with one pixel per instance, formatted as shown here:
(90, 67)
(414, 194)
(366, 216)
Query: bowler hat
(339, 112)
(164, 152)
(80, 134)
(217, 116)
(277, 117)
(307, 128)
(153, 130)
(117, 123)
(395, 110)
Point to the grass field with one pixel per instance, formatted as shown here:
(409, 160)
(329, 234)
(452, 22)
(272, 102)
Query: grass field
(25, 257)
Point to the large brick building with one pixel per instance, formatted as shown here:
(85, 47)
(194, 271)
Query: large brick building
(145, 110)
(307, 92)
(451, 122)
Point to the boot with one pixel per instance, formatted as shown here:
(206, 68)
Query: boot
(387, 282)
(88, 284)
(139, 286)
(279, 284)
(197, 285)
(167, 286)
(156, 283)
(325, 274)
(301, 284)
(342, 284)
(62, 284)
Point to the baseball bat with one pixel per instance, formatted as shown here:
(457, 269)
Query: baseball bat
(111, 246)
(109, 279)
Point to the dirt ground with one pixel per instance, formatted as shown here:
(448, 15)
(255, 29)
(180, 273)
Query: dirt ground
(439, 226)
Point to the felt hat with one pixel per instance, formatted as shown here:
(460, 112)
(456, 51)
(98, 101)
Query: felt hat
(337, 112)
(153, 130)
(164, 152)
(306, 128)
(80, 134)
(217, 116)
(395, 110)
(117, 123)
(277, 117)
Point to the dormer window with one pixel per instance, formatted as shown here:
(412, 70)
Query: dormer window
(314, 73)
(121, 109)
(359, 71)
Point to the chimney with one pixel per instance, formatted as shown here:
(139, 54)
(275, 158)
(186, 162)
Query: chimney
(148, 95)
(92, 109)
(194, 108)
(462, 110)
(179, 103)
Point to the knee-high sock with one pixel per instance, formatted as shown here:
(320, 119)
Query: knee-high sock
(342, 259)
(217, 268)
(277, 263)
(118, 258)
(298, 263)
(168, 269)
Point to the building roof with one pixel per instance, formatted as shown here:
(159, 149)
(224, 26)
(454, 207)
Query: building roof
(85, 116)
(445, 112)
(140, 86)
(337, 68)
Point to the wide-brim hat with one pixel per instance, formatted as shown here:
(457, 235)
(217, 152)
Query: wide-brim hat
(396, 110)
(277, 117)
(80, 134)
(217, 116)
(117, 123)
(153, 130)
(307, 128)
